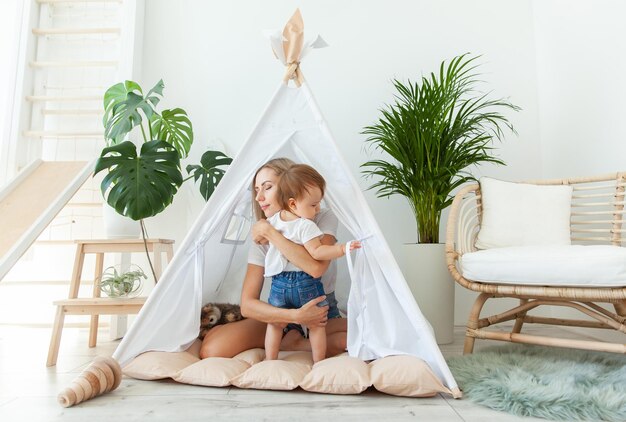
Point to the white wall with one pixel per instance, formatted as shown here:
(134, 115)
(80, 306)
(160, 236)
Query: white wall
(217, 65)
(581, 68)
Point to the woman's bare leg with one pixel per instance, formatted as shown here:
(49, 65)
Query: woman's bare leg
(337, 325)
(273, 336)
(233, 338)
(336, 338)
(294, 342)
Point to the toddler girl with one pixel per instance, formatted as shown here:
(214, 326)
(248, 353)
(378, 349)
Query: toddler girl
(300, 191)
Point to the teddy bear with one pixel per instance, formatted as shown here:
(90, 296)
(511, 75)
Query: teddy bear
(217, 313)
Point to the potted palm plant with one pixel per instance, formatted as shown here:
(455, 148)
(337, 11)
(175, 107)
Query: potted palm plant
(142, 185)
(435, 129)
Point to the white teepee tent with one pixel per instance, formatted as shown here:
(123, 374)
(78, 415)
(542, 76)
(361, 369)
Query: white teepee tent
(383, 318)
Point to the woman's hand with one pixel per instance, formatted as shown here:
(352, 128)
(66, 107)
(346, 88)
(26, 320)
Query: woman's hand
(260, 232)
(251, 307)
(312, 315)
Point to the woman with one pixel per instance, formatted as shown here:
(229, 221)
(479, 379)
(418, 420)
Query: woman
(231, 339)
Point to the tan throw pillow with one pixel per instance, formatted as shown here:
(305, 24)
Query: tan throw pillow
(272, 375)
(212, 372)
(158, 365)
(406, 376)
(338, 375)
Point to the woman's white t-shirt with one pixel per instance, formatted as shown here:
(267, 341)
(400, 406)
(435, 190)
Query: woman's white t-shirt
(327, 223)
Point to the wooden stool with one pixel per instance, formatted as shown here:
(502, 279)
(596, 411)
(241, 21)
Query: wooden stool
(96, 305)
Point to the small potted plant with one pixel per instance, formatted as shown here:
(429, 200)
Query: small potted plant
(436, 129)
(118, 284)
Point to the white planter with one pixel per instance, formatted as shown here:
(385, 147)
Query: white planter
(427, 275)
(117, 226)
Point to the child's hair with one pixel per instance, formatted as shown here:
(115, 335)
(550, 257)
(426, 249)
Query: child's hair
(279, 166)
(297, 180)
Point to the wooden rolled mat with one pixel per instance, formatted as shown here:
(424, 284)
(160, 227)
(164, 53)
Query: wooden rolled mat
(101, 376)
(114, 367)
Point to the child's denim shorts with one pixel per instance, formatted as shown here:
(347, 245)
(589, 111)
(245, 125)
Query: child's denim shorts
(293, 289)
(278, 294)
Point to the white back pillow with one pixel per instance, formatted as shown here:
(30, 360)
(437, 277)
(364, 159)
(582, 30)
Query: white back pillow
(520, 214)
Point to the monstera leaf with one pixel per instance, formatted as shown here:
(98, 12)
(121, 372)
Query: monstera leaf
(140, 186)
(173, 127)
(122, 103)
(208, 171)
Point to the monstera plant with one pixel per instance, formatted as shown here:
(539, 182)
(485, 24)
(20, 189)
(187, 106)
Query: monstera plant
(142, 185)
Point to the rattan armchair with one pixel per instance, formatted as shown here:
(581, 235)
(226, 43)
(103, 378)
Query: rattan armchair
(596, 218)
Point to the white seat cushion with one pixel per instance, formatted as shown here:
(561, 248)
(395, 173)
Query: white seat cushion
(558, 265)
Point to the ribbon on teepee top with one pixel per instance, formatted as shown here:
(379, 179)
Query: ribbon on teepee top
(290, 48)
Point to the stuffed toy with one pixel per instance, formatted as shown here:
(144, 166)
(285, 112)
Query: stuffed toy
(216, 314)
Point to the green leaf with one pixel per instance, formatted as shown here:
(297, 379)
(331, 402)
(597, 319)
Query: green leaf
(157, 89)
(173, 127)
(140, 186)
(122, 103)
(208, 172)
(116, 94)
(433, 131)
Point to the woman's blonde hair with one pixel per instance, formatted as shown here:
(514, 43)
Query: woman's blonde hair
(279, 166)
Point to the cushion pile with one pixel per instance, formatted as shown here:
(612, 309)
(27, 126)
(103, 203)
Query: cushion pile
(406, 376)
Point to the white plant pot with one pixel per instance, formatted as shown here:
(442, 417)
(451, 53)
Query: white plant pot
(117, 226)
(427, 275)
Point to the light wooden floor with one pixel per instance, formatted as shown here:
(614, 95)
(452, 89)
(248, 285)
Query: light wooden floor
(28, 391)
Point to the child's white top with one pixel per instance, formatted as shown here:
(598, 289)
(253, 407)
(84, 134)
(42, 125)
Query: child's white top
(298, 231)
(327, 222)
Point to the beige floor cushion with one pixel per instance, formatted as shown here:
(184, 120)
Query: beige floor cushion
(405, 376)
(212, 372)
(398, 375)
(338, 375)
(158, 365)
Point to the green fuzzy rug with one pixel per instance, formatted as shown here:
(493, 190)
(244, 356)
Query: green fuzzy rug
(545, 382)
